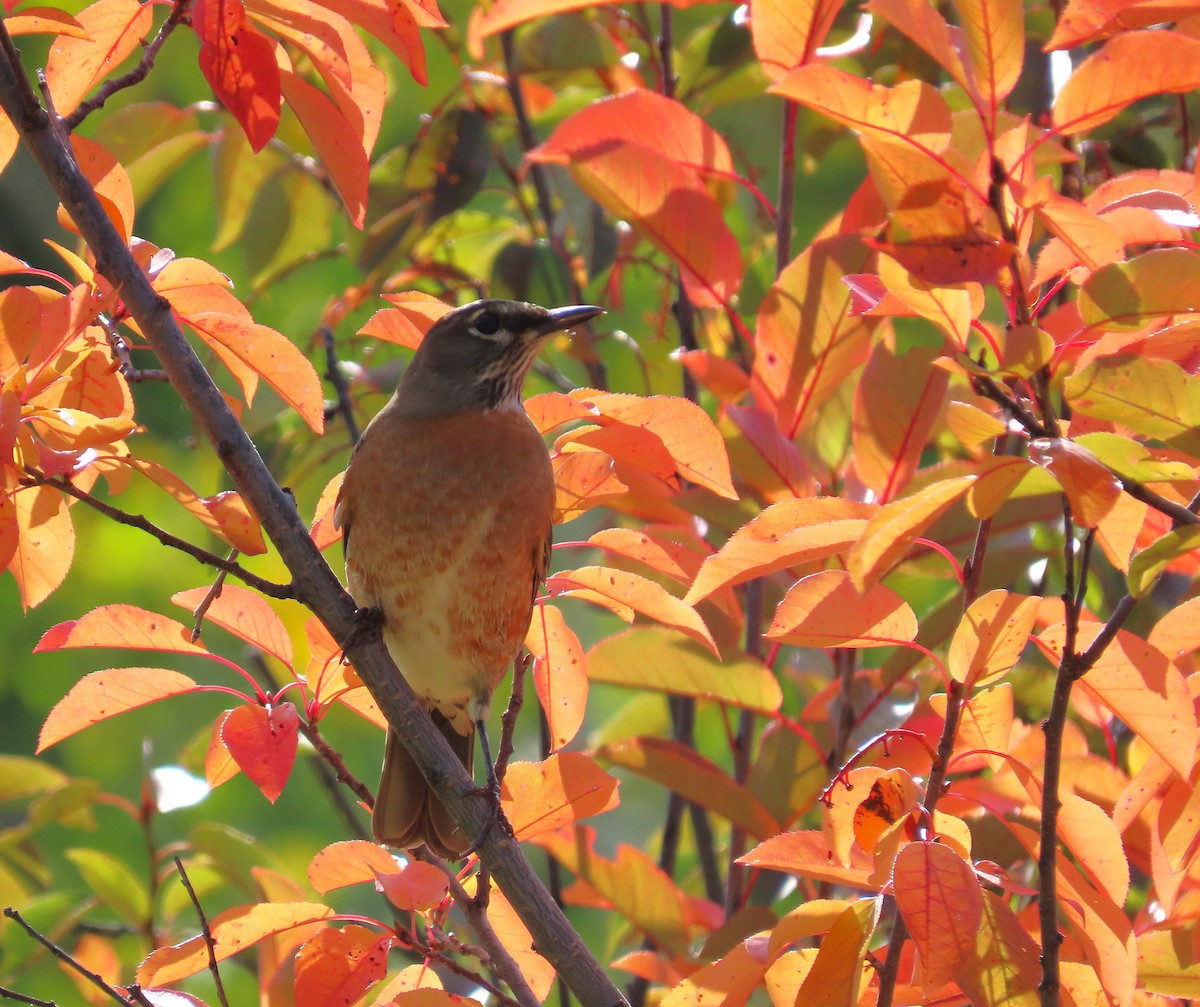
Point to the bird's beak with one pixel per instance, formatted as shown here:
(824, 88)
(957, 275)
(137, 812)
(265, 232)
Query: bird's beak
(568, 318)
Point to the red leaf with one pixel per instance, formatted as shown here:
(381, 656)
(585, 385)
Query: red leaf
(339, 966)
(263, 743)
(338, 143)
(104, 694)
(238, 61)
(942, 904)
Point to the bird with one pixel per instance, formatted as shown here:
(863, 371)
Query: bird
(446, 512)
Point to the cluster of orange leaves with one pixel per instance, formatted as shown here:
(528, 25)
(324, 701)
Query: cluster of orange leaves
(954, 201)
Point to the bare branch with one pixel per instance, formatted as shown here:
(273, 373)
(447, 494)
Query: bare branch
(64, 956)
(209, 941)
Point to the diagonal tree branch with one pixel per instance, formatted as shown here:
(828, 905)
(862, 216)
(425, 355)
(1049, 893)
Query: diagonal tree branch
(315, 582)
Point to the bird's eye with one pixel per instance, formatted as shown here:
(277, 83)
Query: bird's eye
(486, 323)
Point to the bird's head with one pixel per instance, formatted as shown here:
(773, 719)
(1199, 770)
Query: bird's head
(477, 356)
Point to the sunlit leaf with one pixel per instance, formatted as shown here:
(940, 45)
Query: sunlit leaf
(665, 660)
(990, 637)
(543, 796)
(339, 966)
(939, 897)
(1003, 968)
(77, 64)
(234, 930)
(415, 887)
(246, 615)
(808, 855)
(263, 742)
(1130, 66)
(45, 543)
(104, 694)
(124, 626)
(238, 61)
(787, 34)
(559, 673)
(994, 36)
(350, 862)
(826, 610)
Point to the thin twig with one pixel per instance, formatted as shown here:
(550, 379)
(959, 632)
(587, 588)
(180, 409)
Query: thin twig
(501, 961)
(124, 356)
(592, 361)
(64, 956)
(211, 595)
(179, 12)
(508, 722)
(260, 584)
(334, 375)
(209, 941)
(8, 994)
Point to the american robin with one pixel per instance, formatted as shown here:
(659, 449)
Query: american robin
(446, 512)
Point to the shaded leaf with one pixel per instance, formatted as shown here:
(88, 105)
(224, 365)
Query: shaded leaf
(1003, 969)
(689, 774)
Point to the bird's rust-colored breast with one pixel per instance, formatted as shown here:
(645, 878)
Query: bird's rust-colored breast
(448, 518)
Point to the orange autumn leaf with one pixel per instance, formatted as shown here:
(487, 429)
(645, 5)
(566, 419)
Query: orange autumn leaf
(104, 694)
(219, 766)
(33, 20)
(787, 34)
(686, 431)
(339, 143)
(1140, 686)
(45, 543)
(1090, 487)
(721, 376)
(730, 980)
(808, 854)
(994, 35)
(897, 403)
(990, 637)
(350, 862)
(110, 182)
(803, 355)
(763, 457)
(263, 742)
(559, 673)
(582, 480)
(889, 535)
(689, 774)
(114, 28)
(124, 626)
(324, 533)
(406, 323)
(415, 887)
(246, 615)
(543, 796)
(620, 590)
(339, 966)
(272, 355)
(1003, 966)
(839, 971)
(632, 882)
(985, 722)
(236, 522)
(826, 610)
(233, 930)
(662, 195)
(1131, 66)
(941, 902)
(516, 939)
(786, 534)
(667, 660)
(928, 28)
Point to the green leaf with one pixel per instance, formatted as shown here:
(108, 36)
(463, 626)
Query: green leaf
(114, 884)
(1125, 296)
(1147, 566)
(1157, 398)
(1131, 460)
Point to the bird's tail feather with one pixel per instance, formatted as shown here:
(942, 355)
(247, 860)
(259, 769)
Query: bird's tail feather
(407, 812)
